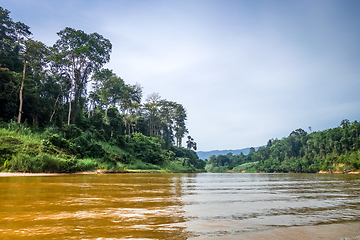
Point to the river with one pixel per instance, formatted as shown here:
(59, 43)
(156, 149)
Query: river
(181, 206)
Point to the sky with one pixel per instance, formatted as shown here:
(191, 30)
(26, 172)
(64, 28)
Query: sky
(246, 71)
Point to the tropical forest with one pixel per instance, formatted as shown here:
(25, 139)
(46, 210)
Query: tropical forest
(62, 111)
(332, 150)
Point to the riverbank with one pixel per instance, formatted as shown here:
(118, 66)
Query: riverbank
(46, 151)
(20, 174)
(340, 172)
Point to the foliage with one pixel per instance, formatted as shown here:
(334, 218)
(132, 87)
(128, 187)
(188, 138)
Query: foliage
(138, 164)
(300, 152)
(62, 127)
(244, 167)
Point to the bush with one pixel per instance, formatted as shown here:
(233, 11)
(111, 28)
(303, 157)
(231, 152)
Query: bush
(251, 170)
(69, 165)
(138, 164)
(35, 164)
(111, 166)
(86, 164)
(244, 167)
(58, 141)
(71, 131)
(18, 127)
(178, 167)
(147, 149)
(95, 150)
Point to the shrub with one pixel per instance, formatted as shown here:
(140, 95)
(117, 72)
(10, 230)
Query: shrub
(244, 167)
(95, 150)
(86, 164)
(138, 164)
(147, 149)
(41, 163)
(71, 131)
(111, 166)
(58, 141)
(177, 166)
(69, 165)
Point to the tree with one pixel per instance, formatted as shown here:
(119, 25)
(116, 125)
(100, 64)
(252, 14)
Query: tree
(108, 87)
(34, 53)
(152, 113)
(10, 34)
(180, 127)
(345, 123)
(190, 143)
(79, 55)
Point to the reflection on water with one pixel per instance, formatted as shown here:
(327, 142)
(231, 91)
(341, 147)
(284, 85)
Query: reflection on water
(172, 206)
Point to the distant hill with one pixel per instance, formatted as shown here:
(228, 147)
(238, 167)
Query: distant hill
(206, 154)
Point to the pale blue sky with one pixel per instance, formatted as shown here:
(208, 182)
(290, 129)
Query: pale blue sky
(246, 71)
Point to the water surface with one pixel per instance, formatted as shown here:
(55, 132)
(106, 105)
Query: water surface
(176, 206)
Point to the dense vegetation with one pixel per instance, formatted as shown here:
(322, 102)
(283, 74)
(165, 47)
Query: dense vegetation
(53, 120)
(329, 150)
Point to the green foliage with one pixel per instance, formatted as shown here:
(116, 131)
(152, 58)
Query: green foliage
(71, 131)
(86, 164)
(179, 165)
(138, 164)
(244, 167)
(40, 163)
(147, 149)
(193, 159)
(302, 152)
(111, 166)
(117, 154)
(109, 126)
(299, 152)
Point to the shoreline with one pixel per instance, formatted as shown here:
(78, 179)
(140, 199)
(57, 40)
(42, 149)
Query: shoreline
(21, 174)
(340, 172)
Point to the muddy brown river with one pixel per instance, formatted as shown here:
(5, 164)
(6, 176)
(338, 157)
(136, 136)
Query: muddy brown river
(181, 206)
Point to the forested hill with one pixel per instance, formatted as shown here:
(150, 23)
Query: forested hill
(49, 121)
(206, 154)
(336, 149)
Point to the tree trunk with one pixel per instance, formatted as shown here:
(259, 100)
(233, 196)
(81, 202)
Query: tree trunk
(54, 108)
(76, 105)
(35, 118)
(21, 90)
(69, 114)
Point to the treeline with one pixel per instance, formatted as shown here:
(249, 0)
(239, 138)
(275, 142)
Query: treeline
(47, 89)
(336, 149)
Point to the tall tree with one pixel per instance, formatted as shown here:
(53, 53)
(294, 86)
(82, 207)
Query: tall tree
(33, 54)
(80, 54)
(108, 87)
(10, 34)
(151, 108)
(190, 143)
(180, 126)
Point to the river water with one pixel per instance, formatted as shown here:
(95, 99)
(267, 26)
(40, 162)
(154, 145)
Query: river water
(181, 206)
